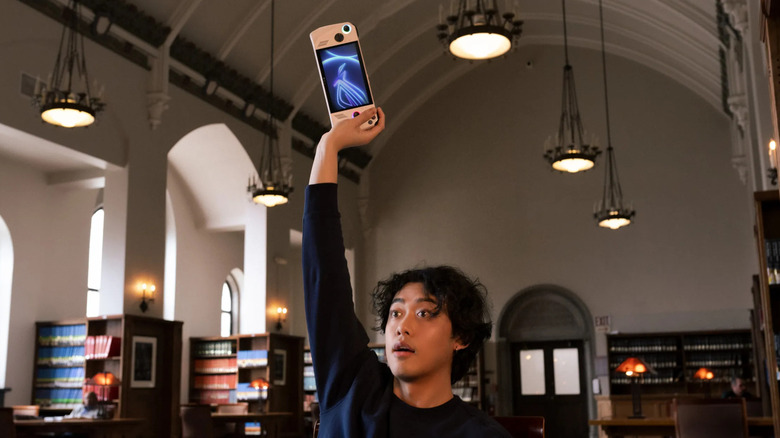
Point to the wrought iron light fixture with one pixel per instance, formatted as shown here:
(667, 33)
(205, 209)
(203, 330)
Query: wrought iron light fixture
(634, 368)
(478, 30)
(66, 99)
(610, 212)
(570, 153)
(772, 172)
(275, 184)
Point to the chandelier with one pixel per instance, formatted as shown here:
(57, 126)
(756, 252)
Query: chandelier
(275, 184)
(66, 98)
(478, 30)
(570, 153)
(610, 212)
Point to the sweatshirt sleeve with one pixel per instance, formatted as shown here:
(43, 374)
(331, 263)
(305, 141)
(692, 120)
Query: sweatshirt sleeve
(337, 339)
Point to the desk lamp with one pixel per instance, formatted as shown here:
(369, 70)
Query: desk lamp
(633, 368)
(704, 376)
(261, 386)
(103, 380)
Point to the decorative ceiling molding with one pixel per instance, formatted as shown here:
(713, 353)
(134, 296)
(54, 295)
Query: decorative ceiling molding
(128, 17)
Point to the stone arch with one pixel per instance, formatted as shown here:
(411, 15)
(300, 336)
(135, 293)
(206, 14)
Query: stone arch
(543, 312)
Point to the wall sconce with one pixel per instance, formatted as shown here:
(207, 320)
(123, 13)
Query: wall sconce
(281, 316)
(144, 300)
(633, 368)
(772, 162)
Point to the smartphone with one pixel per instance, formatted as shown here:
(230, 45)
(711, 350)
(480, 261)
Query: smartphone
(342, 72)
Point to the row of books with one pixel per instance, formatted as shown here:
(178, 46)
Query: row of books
(62, 335)
(772, 248)
(214, 348)
(252, 358)
(58, 398)
(104, 393)
(59, 377)
(309, 384)
(307, 357)
(228, 365)
(101, 347)
(221, 396)
(61, 356)
(226, 381)
(466, 393)
(245, 392)
(468, 380)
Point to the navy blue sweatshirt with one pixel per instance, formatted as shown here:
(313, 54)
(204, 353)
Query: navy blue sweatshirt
(356, 390)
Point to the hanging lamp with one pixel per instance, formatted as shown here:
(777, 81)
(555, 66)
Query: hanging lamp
(570, 153)
(478, 30)
(66, 98)
(275, 183)
(610, 212)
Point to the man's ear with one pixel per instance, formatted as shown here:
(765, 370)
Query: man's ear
(460, 345)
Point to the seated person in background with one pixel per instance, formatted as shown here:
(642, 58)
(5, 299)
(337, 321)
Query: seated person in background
(88, 410)
(738, 389)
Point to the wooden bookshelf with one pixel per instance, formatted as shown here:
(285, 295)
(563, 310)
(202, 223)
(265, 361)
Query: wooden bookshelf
(156, 401)
(767, 207)
(676, 356)
(221, 369)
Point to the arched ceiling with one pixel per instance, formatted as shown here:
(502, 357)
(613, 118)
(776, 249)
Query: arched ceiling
(678, 38)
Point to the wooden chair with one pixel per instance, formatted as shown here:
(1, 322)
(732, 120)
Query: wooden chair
(196, 421)
(7, 428)
(710, 418)
(523, 427)
(27, 410)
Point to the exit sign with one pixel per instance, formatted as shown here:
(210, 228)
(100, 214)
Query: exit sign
(602, 321)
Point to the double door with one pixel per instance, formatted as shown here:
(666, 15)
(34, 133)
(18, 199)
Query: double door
(549, 381)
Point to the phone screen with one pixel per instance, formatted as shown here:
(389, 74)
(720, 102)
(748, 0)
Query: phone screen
(345, 78)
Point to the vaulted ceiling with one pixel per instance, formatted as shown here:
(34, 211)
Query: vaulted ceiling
(229, 42)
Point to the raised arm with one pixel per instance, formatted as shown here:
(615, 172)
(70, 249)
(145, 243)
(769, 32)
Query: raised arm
(337, 339)
(343, 135)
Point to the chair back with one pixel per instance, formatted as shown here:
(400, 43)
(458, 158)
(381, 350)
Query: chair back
(28, 410)
(196, 421)
(710, 418)
(233, 408)
(7, 428)
(523, 427)
(316, 428)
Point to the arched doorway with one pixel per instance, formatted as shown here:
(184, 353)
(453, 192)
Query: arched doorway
(545, 350)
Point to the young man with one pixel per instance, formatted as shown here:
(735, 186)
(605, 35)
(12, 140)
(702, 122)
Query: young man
(435, 320)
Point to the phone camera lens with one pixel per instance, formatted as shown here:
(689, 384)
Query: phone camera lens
(339, 37)
(346, 28)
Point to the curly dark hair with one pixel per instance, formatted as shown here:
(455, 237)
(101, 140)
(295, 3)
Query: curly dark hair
(464, 300)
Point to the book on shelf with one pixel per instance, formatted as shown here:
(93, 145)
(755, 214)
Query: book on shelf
(62, 335)
(72, 377)
(226, 381)
(252, 358)
(223, 365)
(102, 347)
(61, 356)
(214, 348)
(103, 393)
(245, 392)
(58, 398)
(220, 396)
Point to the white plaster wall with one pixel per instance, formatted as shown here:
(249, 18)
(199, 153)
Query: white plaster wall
(463, 182)
(49, 226)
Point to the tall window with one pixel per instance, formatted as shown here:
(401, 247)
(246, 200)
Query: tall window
(226, 328)
(95, 263)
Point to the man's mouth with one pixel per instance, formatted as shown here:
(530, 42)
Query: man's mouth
(402, 349)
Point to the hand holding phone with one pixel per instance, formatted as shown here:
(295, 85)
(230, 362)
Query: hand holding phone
(342, 72)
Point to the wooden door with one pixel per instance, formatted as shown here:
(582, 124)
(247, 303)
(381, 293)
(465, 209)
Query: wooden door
(549, 380)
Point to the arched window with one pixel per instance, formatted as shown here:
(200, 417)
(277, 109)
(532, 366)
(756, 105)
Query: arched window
(226, 322)
(95, 263)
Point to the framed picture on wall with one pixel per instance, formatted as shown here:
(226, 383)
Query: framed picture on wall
(279, 366)
(144, 362)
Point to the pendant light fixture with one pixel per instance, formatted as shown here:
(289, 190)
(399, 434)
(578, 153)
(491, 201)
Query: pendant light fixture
(66, 98)
(610, 212)
(570, 153)
(478, 30)
(275, 184)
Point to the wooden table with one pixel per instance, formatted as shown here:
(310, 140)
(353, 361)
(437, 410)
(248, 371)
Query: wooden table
(114, 428)
(620, 427)
(269, 420)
